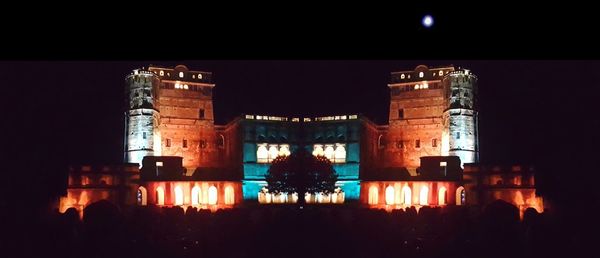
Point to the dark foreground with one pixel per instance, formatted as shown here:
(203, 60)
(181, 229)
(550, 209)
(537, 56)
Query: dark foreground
(288, 231)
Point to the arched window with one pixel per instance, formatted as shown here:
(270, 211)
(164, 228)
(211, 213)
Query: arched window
(178, 195)
(406, 195)
(273, 152)
(423, 195)
(160, 196)
(142, 196)
(460, 196)
(318, 150)
(284, 150)
(221, 141)
(212, 195)
(262, 155)
(397, 194)
(389, 195)
(196, 195)
(340, 154)
(442, 196)
(229, 197)
(373, 195)
(329, 152)
(380, 142)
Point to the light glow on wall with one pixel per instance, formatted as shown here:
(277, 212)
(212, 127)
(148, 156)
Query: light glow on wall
(445, 143)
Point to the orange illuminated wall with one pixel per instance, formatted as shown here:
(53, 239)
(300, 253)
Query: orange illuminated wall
(415, 117)
(186, 116)
(228, 193)
(88, 184)
(402, 194)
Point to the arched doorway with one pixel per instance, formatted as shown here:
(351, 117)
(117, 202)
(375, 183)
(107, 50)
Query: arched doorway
(373, 195)
(424, 195)
(389, 195)
(406, 195)
(142, 196)
(460, 196)
(160, 196)
(196, 195)
(212, 195)
(229, 195)
(178, 195)
(442, 193)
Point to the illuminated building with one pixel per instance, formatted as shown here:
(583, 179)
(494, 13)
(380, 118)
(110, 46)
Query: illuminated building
(176, 155)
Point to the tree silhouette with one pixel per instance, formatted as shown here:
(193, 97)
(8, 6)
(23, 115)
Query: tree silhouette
(302, 173)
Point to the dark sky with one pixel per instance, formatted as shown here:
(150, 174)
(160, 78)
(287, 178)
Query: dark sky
(530, 111)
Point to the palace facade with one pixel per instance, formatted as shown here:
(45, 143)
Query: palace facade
(427, 154)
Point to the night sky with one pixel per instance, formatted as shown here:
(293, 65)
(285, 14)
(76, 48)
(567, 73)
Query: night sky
(531, 112)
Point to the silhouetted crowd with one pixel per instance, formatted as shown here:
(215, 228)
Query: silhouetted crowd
(292, 231)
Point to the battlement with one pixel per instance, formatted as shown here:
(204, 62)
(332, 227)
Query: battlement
(420, 74)
(181, 73)
(298, 119)
(461, 71)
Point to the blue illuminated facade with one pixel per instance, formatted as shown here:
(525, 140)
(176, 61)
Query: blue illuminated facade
(275, 134)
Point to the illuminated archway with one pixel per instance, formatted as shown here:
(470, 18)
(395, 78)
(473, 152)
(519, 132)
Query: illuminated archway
(196, 195)
(407, 195)
(160, 196)
(212, 195)
(284, 150)
(273, 153)
(380, 143)
(262, 154)
(373, 195)
(423, 195)
(329, 152)
(318, 150)
(460, 196)
(442, 196)
(397, 194)
(229, 195)
(142, 196)
(389, 195)
(178, 195)
(340, 154)
(221, 142)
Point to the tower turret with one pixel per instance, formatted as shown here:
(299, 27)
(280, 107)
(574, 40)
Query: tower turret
(460, 134)
(142, 116)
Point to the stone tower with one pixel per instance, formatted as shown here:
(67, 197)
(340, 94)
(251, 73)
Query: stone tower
(415, 121)
(142, 116)
(460, 135)
(186, 118)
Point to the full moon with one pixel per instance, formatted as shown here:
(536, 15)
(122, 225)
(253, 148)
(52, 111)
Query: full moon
(427, 21)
